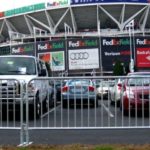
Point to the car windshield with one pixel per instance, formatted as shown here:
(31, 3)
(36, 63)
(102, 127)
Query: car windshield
(138, 82)
(17, 66)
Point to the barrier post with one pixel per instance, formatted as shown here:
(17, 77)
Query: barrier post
(24, 132)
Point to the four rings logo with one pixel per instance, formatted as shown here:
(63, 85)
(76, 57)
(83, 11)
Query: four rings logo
(79, 56)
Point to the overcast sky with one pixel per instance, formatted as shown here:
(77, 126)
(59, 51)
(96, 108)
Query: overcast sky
(10, 4)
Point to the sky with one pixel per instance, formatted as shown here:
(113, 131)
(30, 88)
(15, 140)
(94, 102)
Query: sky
(11, 4)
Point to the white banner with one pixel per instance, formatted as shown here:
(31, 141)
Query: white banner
(83, 59)
(52, 3)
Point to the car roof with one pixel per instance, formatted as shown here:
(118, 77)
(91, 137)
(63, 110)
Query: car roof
(139, 73)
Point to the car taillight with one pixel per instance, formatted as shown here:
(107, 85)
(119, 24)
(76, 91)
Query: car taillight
(65, 89)
(91, 88)
(124, 87)
(119, 86)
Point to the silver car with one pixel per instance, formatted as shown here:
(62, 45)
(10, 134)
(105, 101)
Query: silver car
(79, 92)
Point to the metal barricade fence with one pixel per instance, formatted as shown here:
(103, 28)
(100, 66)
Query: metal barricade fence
(12, 106)
(102, 102)
(76, 103)
(10, 99)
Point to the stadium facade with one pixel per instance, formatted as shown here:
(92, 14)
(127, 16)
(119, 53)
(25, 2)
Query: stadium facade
(80, 35)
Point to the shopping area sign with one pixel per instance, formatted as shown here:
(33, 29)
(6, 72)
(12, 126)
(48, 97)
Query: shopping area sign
(143, 57)
(142, 52)
(74, 2)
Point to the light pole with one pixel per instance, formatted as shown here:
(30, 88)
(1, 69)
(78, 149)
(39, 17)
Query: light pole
(131, 55)
(130, 26)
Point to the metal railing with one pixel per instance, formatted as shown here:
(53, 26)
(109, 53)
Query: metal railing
(75, 103)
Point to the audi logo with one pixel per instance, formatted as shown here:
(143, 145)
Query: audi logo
(79, 56)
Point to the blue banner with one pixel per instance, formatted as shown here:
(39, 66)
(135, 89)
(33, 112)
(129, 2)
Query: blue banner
(74, 2)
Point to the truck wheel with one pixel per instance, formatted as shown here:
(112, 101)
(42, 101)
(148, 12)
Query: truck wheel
(46, 104)
(38, 107)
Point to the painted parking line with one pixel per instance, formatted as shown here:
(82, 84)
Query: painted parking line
(107, 110)
(51, 110)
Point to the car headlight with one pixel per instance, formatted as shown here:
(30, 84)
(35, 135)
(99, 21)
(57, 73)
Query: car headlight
(31, 87)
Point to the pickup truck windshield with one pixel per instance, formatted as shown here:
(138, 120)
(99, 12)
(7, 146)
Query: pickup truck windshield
(17, 66)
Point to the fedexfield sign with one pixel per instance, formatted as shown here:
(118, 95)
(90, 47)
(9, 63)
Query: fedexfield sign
(47, 46)
(115, 41)
(52, 3)
(50, 46)
(82, 43)
(142, 41)
(27, 49)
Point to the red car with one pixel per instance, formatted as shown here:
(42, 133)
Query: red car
(136, 94)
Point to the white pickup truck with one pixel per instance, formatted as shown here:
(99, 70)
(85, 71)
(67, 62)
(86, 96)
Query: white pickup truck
(23, 68)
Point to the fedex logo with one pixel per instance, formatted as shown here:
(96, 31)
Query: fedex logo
(142, 42)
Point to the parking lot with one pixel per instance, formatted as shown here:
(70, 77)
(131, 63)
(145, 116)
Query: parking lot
(78, 103)
(103, 116)
(98, 113)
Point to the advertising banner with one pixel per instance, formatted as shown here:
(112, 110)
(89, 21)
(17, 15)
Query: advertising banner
(75, 2)
(55, 59)
(143, 57)
(53, 53)
(23, 49)
(114, 49)
(52, 3)
(83, 59)
(143, 52)
(50, 46)
(82, 43)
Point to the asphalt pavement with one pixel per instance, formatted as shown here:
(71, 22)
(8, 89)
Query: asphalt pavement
(61, 137)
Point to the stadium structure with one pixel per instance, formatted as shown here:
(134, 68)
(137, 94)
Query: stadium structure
(80, 35)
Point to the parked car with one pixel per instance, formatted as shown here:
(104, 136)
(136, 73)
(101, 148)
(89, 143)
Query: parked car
(115, 92)
(103, 89)
(79, 91)
(136, 95)
(57, 85)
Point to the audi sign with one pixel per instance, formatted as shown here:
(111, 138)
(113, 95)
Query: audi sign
(79, 56)
(83, 59)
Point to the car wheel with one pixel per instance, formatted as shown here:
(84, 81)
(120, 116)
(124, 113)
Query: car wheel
(111, 101)
(125, 112)
(120, 106)
(64, 104)
(94, 103)
(35, 109)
